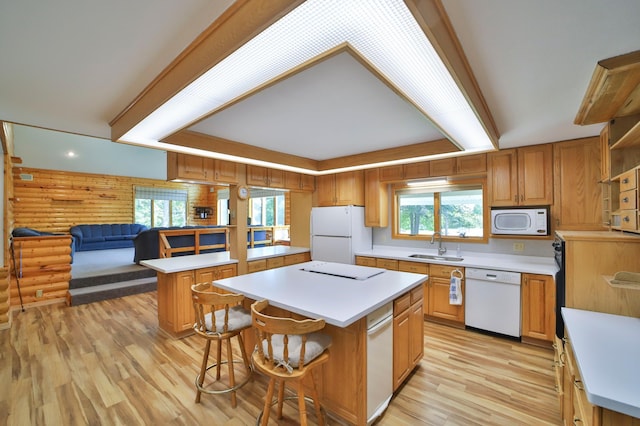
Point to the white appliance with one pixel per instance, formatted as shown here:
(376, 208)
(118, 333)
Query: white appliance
(338, 232)
(493, 301)
(379, 361)
(520, 221)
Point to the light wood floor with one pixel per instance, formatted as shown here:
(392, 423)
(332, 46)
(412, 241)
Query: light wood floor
(107, 363)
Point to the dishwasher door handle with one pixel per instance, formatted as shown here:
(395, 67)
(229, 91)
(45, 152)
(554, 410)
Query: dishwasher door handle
(380, 325)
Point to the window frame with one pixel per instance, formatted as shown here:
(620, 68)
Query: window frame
(451, 185)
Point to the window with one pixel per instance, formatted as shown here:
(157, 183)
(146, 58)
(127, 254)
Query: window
(160, 207)
(266, 207)
(456, 211)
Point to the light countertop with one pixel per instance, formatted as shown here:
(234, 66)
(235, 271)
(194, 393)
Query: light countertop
(196, 261)
(502, 262)
(339, 301)
(607, 350)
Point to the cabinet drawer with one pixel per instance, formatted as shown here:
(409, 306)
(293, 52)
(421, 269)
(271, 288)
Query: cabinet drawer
(629, 219)
(402, 303)
(365, 261)
(387, 264)
(256, 265)
(415, 267)
(628, 180)
(629, 199)
(275, 262)
(417, 294)
(443, 271)
(293, 259)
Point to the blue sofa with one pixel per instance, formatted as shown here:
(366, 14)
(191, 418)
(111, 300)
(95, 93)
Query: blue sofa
(105, 236)
(147, 243)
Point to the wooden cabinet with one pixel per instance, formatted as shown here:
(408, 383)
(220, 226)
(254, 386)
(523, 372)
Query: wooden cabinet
(521, 177)
(376, 200)
(408, 334)
(299, 181)
(538, 295)
(459, 165)
(264, 176)
(365, 261)
(578, 192)
(576, 408)
(439, 308)
(340, 189)
(175, 308)
(277, 262)
(193, 168)
(402, 172)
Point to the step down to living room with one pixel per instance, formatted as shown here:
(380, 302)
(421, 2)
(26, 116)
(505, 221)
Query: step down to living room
(107, 274)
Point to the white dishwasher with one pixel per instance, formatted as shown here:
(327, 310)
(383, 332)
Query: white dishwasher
(492, 301)
(379, 361)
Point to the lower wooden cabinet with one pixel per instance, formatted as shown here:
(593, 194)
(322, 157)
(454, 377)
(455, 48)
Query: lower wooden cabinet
(439, 307)
(538, 295)
(277, 261)
(175, 308)
(576, 408)
(408, 334)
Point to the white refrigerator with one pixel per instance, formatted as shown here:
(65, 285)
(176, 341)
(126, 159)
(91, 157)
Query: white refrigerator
(338, 232)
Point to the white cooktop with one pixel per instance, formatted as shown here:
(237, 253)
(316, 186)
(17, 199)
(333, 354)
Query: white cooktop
(354, 272)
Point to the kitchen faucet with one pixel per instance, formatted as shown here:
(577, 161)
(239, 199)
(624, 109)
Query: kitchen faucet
(441, 250)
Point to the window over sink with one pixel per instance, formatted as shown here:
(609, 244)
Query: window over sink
(456, 210)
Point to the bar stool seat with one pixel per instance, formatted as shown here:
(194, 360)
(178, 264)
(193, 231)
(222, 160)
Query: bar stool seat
(288, 350)
(219, 317)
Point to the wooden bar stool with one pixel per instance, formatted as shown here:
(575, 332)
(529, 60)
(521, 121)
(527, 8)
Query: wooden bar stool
(288, 350)
(219, 317)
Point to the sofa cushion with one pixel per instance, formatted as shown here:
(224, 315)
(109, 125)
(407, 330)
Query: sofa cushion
(105, 236)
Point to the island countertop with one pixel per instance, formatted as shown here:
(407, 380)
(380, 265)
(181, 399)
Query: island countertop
(607, 349)
(339, 301)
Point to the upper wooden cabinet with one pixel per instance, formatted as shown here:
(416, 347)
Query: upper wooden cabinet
(376, 199)
(341, 189)
(521, 177)
(466, 164)
(264, 176)
(578, 192)
(402, 172)
(299, 181)
(193, 168)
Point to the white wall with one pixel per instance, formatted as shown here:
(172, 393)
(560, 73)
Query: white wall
(47, 149)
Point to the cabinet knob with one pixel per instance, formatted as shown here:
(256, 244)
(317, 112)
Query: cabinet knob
(626, 219)
(625, 200)
(625, 180)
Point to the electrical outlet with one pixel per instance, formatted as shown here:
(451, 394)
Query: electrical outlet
(39, 293)
(518, 246)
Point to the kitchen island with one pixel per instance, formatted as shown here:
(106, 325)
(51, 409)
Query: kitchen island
(176, 275)
(344, 304)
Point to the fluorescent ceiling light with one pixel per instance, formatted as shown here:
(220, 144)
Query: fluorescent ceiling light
(382, 31)
(428, 182)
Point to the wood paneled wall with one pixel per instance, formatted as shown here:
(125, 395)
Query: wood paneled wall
(53, 201)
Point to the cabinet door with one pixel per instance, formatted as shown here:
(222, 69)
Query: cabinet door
(416, 329)
(391, 173)
(184, 314)
(605, 154)
(190, 167)
(401, 355)
(350, 188)
(205, 275)
(538, 306)
(439, 306)
(292, 180)
(307, 182)
(226, 271)
(276, 178)
(257, 175)
(226, 171)
(502, 177)
(376, 200)
(326, 190)
(471, 164)
(419, 170)
(444, 167)
(578, 195)
(535, 175)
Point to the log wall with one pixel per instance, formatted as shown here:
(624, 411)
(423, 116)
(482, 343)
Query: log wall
(55, 200)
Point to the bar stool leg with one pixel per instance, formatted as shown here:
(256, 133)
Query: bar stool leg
(203, 369)
(316, 400)
(219, 358)
(267, 402)
(232, 378)
(280, 398)
(243, 351)
(302, 407)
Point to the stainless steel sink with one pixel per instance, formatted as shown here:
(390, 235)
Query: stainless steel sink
(435, 257)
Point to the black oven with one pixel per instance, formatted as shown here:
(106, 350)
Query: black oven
(558, 250)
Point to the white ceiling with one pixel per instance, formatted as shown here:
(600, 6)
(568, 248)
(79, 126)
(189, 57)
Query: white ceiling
(74, 65)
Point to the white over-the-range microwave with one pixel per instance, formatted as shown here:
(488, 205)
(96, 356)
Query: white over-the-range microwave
(520, 221)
